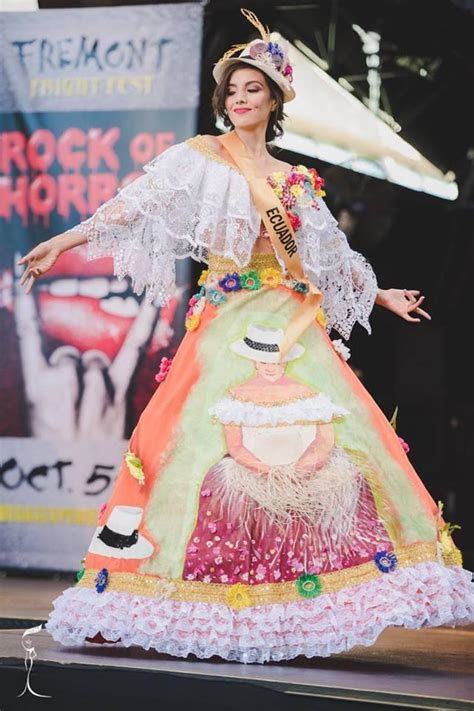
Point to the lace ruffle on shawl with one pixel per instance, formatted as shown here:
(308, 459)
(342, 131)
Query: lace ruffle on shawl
(188, 204)
(184, 206)
(344, 276)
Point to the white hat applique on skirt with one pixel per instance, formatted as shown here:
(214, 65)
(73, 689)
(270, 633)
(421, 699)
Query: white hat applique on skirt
(263, 345)
(119, 538)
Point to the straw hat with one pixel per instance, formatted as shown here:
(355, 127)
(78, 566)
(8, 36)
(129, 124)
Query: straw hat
(263, 345)
(270, 57)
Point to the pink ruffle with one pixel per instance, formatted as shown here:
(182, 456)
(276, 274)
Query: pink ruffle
(426, 595)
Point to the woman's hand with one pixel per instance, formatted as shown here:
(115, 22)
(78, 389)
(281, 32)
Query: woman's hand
(402, 302)
(38, 261)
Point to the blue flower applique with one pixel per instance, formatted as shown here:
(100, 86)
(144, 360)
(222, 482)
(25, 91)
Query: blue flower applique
(101, 580)
(385, 561)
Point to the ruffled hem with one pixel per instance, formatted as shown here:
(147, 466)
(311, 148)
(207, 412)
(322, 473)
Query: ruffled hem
(426, 595)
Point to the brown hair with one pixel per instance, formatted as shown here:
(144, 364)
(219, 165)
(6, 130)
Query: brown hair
(274, 126)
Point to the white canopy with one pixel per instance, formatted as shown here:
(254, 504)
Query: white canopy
(325, 121)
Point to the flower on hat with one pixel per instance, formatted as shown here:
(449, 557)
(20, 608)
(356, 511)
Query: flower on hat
(288, 72)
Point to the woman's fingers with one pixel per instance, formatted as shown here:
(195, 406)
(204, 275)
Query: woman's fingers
(24, 276)
(425, 314)
(410, 295)
(31, 282)
(416, 303)
(407, 317)
(32, 271)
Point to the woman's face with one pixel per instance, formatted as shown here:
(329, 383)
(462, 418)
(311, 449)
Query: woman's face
(270, 371)
(248, 100)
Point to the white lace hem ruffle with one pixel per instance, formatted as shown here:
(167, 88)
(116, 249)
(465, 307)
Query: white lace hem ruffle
(428, 594)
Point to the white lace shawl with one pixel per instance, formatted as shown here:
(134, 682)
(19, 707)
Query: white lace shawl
(189, 203)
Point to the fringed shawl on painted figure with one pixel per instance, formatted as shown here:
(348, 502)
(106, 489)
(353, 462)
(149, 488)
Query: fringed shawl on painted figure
(264, 509)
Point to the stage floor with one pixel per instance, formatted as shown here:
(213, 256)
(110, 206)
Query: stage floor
(429, 668)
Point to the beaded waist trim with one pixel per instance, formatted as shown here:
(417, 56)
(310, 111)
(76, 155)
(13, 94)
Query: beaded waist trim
(240, 595)
(260, 260)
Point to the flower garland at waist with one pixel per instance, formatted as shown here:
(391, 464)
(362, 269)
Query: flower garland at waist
(217, 287)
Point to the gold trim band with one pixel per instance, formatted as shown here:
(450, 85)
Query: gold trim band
(258, 594)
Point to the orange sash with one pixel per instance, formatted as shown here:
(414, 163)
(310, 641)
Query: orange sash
(282, 236)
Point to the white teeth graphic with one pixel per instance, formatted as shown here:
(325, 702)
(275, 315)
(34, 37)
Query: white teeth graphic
(97, 288)
(117, 286)
(117, 306)
(64, 287)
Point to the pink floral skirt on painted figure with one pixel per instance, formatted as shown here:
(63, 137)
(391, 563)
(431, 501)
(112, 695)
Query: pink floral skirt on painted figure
(263, 510)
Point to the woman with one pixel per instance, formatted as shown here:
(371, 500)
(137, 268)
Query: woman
(265, 507)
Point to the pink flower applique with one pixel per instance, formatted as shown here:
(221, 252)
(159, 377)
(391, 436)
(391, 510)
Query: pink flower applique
(192, 548)
(212, 527)
(165, 365)
(206, 492)
(405, 445)
(260, 572)
(224, 578)
(218, 560)
(277, 574)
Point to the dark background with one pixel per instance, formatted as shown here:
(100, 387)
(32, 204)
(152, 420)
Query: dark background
(412, 240)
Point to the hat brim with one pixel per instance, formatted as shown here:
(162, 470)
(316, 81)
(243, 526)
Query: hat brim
(143, 548)
(287, 90)
(242, 349)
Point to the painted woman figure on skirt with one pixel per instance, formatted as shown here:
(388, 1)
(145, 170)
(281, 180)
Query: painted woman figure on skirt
(265, 507)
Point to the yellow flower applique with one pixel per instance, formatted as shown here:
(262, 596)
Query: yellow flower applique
(203, 278)
(297, 190)
(270, 277)
(238, 597)
(192, 322)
